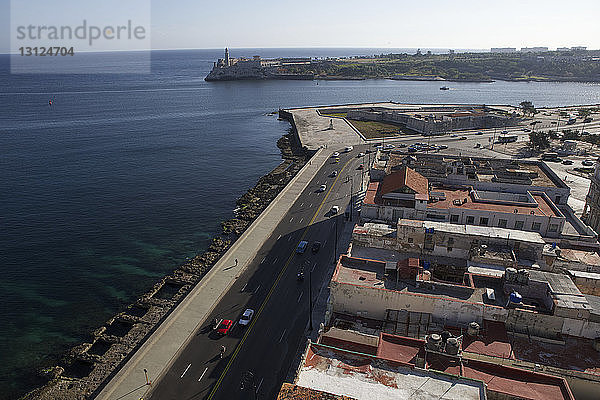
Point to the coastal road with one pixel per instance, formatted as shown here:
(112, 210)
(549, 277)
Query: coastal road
(261, 353)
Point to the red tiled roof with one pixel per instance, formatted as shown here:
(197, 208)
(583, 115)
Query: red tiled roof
(406, 177)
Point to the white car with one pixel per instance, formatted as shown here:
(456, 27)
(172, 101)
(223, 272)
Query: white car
(246, 317)
(334, 210)
(360, 155)
(322, 188)
(336, 154)
(389, 146)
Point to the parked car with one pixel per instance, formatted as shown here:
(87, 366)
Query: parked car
(322, 188)
(334, 174)
(567, 162)
(301, 247)
(587, 163)
(478, 145)
(316, 246)
(225, 327)
(246, 317)
(348, 149)
(463, 138)
(402, 145)
(360, 155)
(389, 146)
(442, 147)
(479, 133)
(337, 160)
(454, 135)
(335, 210)
(361, 166)
(336, 154)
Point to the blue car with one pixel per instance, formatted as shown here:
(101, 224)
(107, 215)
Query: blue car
(301, 247)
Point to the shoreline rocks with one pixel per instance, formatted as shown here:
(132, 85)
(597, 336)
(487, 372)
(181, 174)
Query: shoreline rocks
(85, 368)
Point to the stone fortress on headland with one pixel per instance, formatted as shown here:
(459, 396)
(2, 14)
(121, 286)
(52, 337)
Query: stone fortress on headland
(255, 68)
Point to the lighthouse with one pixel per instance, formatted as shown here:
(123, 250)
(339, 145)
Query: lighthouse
(227, 64)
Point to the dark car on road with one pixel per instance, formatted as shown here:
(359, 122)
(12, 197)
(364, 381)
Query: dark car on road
(316, 247)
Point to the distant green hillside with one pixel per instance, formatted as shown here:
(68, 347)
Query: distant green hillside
(550, 66)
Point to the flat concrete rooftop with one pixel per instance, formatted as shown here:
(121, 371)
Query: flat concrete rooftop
(363, 377)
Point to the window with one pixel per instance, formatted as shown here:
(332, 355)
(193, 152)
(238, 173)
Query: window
(553, 228)
(519, 225)
(535, 226)
(454, 218)
(470, 220)
(502, 223)
(483, 221)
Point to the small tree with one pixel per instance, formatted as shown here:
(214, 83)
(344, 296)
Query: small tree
(539, 140)
(527, 107)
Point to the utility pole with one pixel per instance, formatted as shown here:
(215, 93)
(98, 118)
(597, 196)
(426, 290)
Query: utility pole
(310, 306)
(351, 195)
(335, 242)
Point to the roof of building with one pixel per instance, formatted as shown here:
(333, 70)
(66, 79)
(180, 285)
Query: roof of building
(362, 377)
(294, 392)
(584, 274)
(581, 256)
(405, 178)
(485, 169)
(474, 230)
(464, 199)
(398, 351)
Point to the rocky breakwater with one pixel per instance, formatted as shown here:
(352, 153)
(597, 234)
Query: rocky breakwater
(82, 372)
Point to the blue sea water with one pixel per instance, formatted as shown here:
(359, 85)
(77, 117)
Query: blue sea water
(127, 175)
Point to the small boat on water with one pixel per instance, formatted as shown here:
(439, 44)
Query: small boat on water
(444, 88)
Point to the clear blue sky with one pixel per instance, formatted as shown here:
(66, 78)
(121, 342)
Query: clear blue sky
(310, 23)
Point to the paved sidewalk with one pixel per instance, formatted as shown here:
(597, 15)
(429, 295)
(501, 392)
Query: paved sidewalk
(156, 354)
(313, 130)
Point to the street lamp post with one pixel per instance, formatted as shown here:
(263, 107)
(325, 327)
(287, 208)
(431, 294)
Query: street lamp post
(310, 306)
(335, 242)
(351, 195)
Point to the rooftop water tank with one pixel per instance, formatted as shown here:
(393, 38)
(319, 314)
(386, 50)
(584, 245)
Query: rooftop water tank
(473, 329)
(434, 342)
(515, 298)
(510, 274)
(452, 346)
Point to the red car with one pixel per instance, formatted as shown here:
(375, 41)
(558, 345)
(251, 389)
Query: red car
(225, 327)
(361, 166)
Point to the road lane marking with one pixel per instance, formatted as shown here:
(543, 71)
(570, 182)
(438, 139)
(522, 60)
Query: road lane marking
(299, 297)
(275, 260)
(256, 290)
(289, 237)
(263, 260)
(201, 376)
(244, 288)
(282, 334)
(261, 381)
(278, 237)
(291, 219)
(301, 204)
(186, 370)
(301, 219)
(268, 297)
